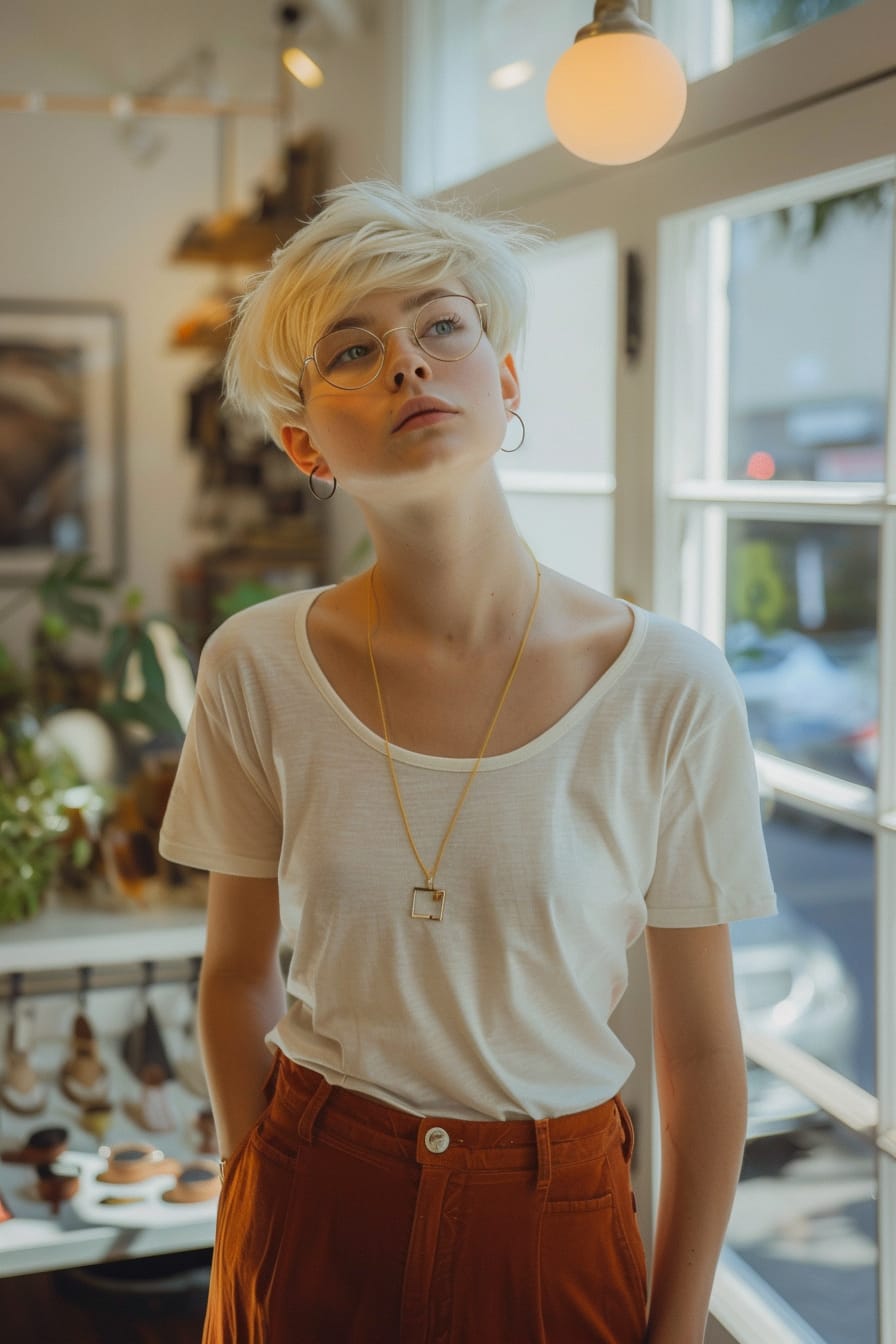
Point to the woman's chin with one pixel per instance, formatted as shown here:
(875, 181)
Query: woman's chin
(435, 473)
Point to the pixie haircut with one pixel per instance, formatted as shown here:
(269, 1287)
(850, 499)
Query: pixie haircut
(369, 235)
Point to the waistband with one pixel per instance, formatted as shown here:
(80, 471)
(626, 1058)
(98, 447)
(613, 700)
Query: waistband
(319, 1108)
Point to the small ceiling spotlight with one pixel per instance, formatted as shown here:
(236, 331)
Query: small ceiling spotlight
(297, 60)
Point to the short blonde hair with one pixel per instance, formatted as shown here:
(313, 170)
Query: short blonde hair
(369, 235)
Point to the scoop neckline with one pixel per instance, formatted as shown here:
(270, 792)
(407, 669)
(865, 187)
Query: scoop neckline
(541, 742)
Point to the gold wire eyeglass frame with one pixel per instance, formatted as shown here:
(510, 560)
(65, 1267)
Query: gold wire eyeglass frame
(381, 342)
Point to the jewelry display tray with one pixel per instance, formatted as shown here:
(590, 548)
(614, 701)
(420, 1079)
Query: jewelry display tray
(35, 1239)
(34, 1224)
(85, 1209)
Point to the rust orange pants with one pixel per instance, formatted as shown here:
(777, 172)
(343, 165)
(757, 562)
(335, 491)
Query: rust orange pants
(346, 1221)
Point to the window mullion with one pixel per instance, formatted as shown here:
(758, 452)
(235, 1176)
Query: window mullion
(886, 1216)
(886, 1073)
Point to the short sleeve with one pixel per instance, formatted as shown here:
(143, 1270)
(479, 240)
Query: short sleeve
(711, 862)
(222, 815)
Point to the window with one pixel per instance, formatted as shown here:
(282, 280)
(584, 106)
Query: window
(753, 495)
(477, 87)
(708, 35)
(775, 452)
(561, 483)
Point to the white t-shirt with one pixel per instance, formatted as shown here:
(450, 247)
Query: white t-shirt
(640, 805)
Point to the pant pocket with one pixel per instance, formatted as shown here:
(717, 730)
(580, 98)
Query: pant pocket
(591, 1292)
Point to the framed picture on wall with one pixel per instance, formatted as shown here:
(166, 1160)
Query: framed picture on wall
(61, 436)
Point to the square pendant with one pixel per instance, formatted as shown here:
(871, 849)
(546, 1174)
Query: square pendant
(427, 903)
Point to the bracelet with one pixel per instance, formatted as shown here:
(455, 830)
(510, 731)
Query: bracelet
(222, 1163)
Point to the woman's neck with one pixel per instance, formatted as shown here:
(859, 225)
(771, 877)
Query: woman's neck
(461, 575)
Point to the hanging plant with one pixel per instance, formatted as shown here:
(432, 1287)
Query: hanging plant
(822, 215)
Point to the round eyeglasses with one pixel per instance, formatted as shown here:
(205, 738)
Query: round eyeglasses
(448, 328)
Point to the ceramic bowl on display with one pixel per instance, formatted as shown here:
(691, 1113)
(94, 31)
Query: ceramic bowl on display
(86, 739)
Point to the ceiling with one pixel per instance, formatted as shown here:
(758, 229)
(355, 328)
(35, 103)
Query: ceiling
(133, 47)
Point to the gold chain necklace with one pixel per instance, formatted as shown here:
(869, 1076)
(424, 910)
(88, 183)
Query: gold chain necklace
(429, 902)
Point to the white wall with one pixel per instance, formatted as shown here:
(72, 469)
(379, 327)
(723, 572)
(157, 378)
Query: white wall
(82, 220)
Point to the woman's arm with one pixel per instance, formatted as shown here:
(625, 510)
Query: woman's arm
(241, 996)
(701, 1081)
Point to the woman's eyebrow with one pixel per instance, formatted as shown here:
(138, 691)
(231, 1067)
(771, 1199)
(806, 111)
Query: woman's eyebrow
(353, 320)
(418, 300)
(407, 306)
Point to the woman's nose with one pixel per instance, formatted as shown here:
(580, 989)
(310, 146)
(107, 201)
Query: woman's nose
(403, 357)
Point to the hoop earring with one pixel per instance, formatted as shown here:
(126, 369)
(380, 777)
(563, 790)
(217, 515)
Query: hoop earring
(322, 498)
(522, 440)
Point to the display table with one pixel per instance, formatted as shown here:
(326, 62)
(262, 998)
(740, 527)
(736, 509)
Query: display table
(115, 945)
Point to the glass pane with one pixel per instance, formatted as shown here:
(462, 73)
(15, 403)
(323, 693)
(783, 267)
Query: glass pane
(805, 1219)
(806, 975)
(570, 533)
(518, 39)
(801, 636)
(570, 343)
(709, 35)
(487, 62)
(807, 382)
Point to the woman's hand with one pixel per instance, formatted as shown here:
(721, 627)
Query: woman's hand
(702, 1086)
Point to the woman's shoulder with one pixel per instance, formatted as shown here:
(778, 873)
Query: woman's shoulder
(685, 648)
(687, 673)
(662, 664)
(261, 633)
(681, 643)
(663, 644)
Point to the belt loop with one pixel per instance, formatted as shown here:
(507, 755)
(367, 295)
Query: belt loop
(312, 1109)
(543, 1135)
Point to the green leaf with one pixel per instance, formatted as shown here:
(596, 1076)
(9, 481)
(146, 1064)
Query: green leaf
(133, 601)
(57, 591)
(153, 713)
(118, 650)
(54, 626)
(247, 593)
(82, 852)
(151, 668)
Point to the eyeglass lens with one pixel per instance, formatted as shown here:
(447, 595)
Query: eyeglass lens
(447, 328)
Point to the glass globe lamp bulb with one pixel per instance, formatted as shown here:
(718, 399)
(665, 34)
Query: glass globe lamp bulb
(616, 97)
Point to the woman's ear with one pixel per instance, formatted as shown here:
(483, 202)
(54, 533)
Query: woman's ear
(299, 449)
(510, 383)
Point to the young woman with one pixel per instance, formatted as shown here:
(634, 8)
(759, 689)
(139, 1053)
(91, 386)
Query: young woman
(461, 785)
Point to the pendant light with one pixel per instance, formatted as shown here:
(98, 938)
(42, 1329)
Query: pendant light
(617, 94)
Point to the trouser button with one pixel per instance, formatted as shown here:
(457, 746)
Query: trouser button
(436, 1139)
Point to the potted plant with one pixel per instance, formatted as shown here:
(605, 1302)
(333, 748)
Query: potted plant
(71, 732)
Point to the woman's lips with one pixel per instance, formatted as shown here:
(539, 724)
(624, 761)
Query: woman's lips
(420, 411)
(421, 418)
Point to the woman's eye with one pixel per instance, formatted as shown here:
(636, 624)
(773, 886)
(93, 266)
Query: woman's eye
(443, 326)
(349, 354)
